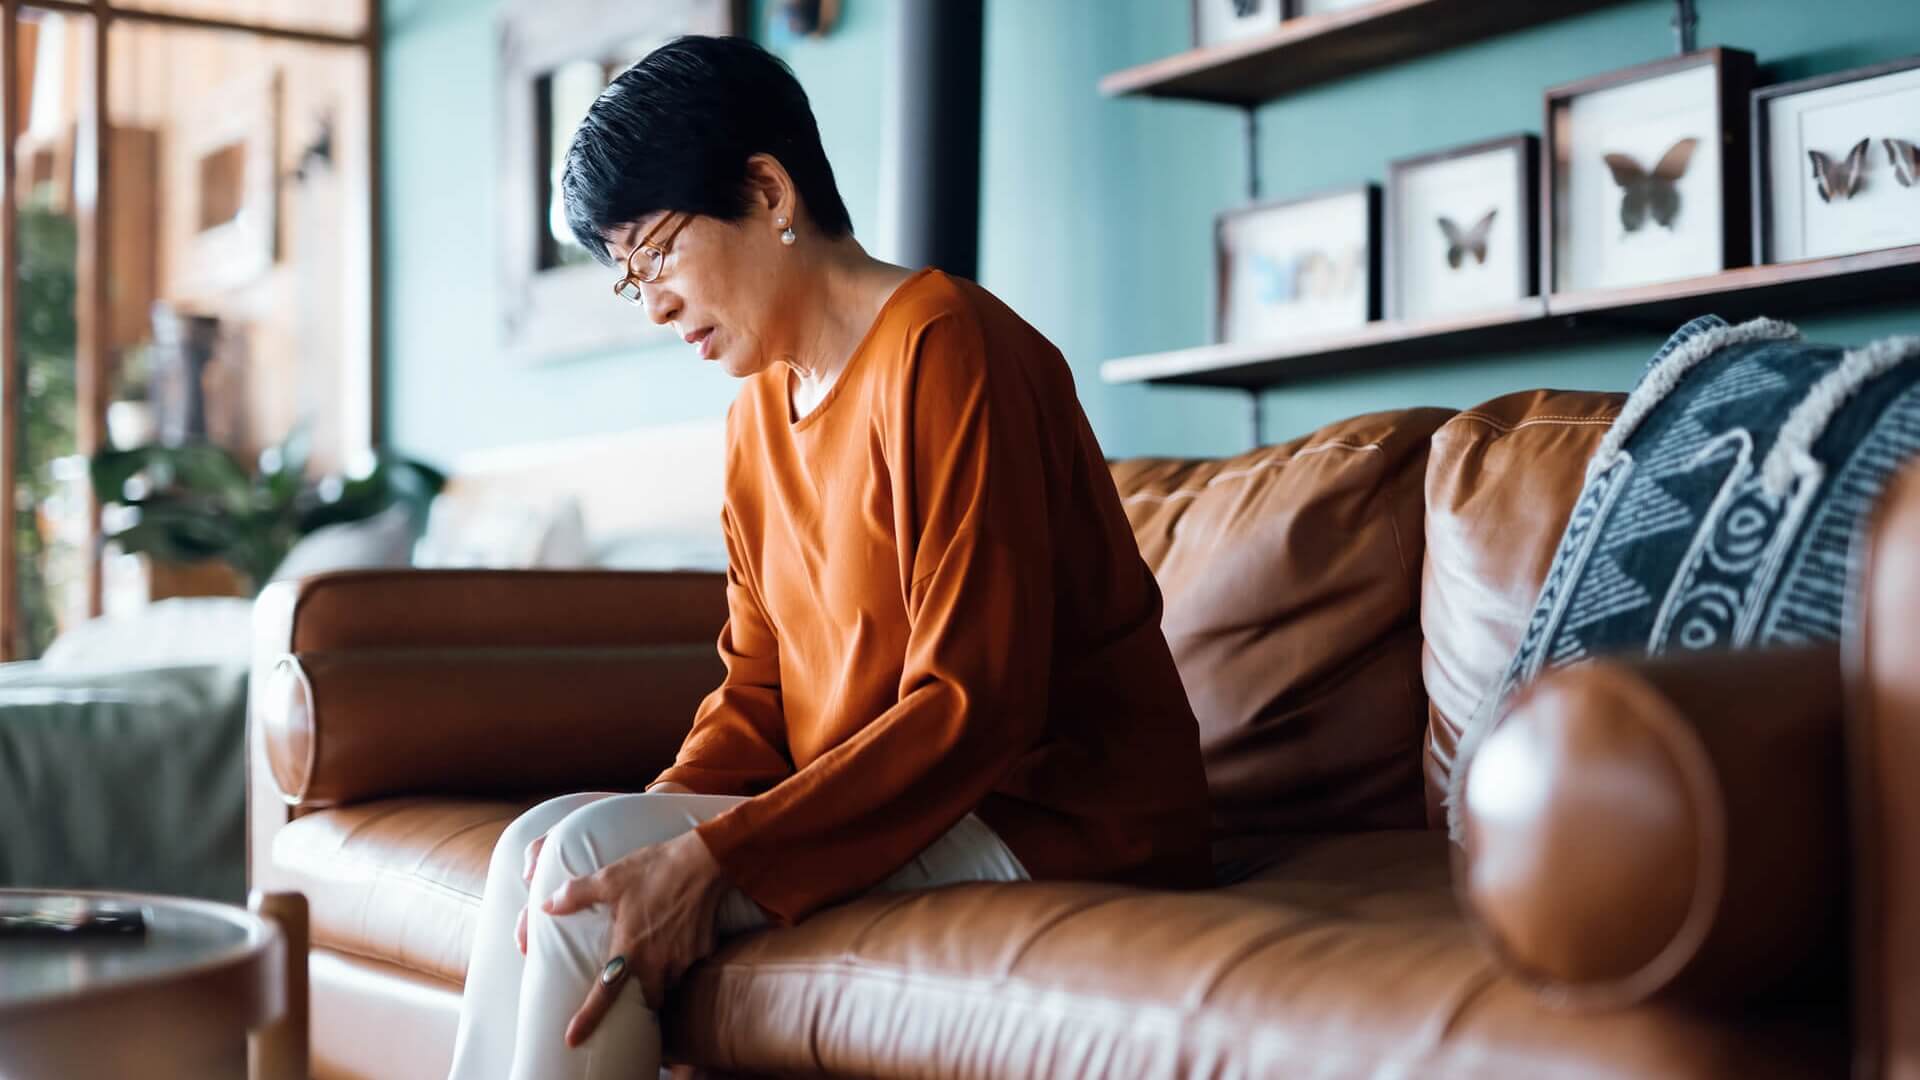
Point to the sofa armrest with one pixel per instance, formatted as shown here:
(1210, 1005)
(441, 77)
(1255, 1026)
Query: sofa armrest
(372, 609)
(1671, 826)
(505, 683)
(344, 727)
(1883, 669)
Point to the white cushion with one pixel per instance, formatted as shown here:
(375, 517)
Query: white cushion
(181, 632)
(381, 541)
(504, 533)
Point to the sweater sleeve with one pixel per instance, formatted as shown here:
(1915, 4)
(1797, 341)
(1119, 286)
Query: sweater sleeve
(738, 743)
(966, 467)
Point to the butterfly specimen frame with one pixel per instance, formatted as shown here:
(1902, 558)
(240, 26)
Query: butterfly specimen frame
(1297, 8)
(1298, 267)
(1216, 22)
(1836, 163)
(1461, 229)
(1644, 173)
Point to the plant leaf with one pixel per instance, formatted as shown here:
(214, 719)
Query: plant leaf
(111, 469)
(176, 535)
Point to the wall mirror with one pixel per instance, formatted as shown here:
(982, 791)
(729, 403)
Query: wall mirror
(555, 58)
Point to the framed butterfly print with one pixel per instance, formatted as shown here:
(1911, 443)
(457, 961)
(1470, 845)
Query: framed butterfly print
(1836, 163)
(1644, 173)
(1216, 22)
(1300, 266)
(1460, 229)
(1324, 7)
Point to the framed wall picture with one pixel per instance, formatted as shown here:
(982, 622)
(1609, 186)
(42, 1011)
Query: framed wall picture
(1644, 173)
(1324, 7)
(1289, 267)
(231, 167)
(1836, 163)
(555, 56)
(1216, 22)
(1460, 229)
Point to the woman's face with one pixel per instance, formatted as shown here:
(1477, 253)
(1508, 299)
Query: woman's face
(720, 285)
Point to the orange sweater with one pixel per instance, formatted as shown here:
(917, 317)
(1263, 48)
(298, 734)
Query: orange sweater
(936, 606)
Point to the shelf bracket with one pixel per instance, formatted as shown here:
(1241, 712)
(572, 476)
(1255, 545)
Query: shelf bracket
(1686, 23)
(1257, 416)
(1253, 153)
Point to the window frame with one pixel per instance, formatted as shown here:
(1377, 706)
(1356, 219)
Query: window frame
(92, 163)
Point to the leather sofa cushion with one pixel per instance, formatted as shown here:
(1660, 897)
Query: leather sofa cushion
(398, 880)
(1345, 957)
(1501, 482)
(1291, 578)
(1347, 950)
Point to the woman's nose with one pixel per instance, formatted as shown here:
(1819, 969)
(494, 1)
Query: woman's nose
(661, 305)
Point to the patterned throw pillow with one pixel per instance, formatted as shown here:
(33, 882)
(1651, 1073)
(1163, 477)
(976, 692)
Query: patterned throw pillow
(1721, 508)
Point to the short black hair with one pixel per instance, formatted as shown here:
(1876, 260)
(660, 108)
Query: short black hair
(674, 131)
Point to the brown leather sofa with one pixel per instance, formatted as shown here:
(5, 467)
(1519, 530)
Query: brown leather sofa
(1337, 604)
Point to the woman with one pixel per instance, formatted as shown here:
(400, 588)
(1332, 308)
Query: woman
(943, 651)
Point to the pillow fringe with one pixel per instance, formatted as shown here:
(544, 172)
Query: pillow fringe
(1792, 451)
(1667, 371)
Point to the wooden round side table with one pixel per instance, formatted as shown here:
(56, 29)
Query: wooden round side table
(210, 990)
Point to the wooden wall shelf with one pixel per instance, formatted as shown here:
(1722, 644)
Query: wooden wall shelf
(1310, 50)
(1786, 290)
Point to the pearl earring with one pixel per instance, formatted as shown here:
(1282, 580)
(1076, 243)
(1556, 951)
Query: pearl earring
(786, 236)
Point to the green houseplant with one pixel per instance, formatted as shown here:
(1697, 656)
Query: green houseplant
(194, 502)
(46, 393)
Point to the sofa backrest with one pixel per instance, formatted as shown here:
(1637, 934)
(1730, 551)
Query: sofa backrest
(1292, 576)
(1339, 604)
(1502, 479)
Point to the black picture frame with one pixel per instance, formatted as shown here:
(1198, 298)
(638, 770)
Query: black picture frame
(1762, 175)
(1733, 84)
(1226, 217)
(1281, 13)
(1526, 173)
(1297, 9)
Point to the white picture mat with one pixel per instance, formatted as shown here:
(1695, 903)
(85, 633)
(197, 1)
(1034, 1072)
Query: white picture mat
(1323, 7)
(1216, 23)
(1592, 248)
(1881, 213)
(1284, 237)
(1462, 189)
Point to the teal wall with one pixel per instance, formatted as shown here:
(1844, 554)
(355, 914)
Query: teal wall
(1097, 214)
(450, 388)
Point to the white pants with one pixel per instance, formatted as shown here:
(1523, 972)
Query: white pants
(514, 1015)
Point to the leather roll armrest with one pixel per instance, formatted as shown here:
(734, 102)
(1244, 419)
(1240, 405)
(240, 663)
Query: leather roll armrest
(1883, 675)
(1671, 826)
(376, 683)
(342, 727)
(369, 609)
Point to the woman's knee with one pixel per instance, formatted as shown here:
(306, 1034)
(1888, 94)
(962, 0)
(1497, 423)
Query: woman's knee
(510, 851)
(600, 832)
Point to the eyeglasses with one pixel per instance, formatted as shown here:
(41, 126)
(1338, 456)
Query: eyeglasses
(645, 262)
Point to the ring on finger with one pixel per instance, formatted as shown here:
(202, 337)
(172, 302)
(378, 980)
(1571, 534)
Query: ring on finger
(614, 971)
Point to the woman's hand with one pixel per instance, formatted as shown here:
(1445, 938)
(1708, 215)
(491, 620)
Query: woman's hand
(533, 858)
(664, 898)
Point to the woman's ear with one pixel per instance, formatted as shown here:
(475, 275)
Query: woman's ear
(771, 187)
